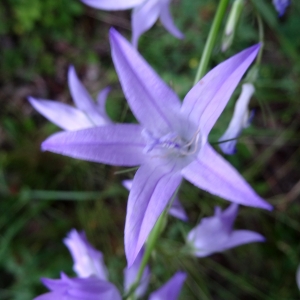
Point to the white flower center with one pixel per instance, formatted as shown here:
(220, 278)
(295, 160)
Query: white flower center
(172, 143)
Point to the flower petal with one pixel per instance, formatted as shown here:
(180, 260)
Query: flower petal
(127, 184)
(113, 4)
(153, 103)
(206, 100)
(57, 285)
(83, 100)
(281, 6)
(87, 260)
(239, 120)
(241, 237)
(167, 20)
(143, 18)
(227, 216)
(119, 144)
(177, 210)
(90, 288)
(101, 101)
(130, 276)
(214, 174)
(152, 188)
(62, 115)
(208, 236)
(171, 289)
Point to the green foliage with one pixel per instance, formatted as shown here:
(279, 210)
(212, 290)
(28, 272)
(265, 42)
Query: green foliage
(30, 30)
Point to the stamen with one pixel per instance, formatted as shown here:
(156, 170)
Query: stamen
(172, 143)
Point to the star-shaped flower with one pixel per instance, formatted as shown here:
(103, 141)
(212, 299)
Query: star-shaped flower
(241, 119)
(170, 143)
(145, 13)
(87, 114)
(216, 234)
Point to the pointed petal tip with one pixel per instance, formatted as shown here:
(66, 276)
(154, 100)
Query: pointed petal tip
(31, 100)
(228, 148)
(72, 75)
(114, 36)
(262, 204)
(181, 274)
(107, 89)
(44, 146)
(34, 102)
(71, 70)
(113, 33)
(256, 47)
(131, 257)
(267, 206)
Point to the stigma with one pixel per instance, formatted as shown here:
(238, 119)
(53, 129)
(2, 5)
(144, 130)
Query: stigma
(171, 143)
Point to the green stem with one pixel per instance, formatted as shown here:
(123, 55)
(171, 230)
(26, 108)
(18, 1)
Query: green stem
(151, 243)
(211, 40)
(261, 39)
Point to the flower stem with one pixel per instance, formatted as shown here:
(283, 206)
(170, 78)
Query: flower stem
(210, 42)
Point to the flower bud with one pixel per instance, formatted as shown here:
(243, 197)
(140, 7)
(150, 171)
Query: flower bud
(232, 21)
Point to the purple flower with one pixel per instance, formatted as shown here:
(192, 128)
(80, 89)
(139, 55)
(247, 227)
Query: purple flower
(176, 210)
(145, 14)
(130, 276)
(87, 114)
(240, 120)
(91, 288)
(92, 273)
(281, 6)
(171, 289)
(215, 234)
(87, 260)
(170, 143)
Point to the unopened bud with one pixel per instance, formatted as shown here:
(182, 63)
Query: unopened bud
(232, 21)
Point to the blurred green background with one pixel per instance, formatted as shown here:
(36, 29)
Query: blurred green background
(44, 195)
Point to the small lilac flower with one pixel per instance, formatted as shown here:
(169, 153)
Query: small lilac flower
(170, 143)
(87, 260)
(171, 289)
(89, 266)
(215, 234)
(91, 288)
(145, 14)
(87, 114)
(130, 276)
(281, 6)
(241, 119)
(176, 210)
